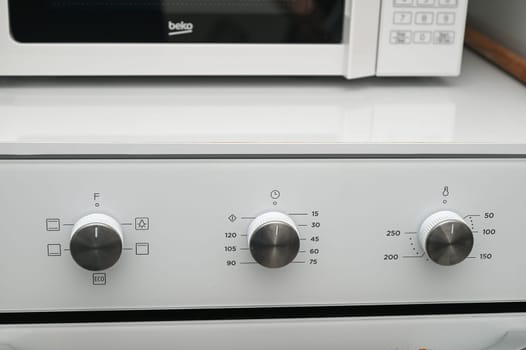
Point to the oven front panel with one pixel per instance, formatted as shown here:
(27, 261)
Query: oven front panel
(157, 21)
(415, 333)
(185, 224)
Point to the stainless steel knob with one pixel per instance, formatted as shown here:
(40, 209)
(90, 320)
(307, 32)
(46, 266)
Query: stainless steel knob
(96, 242)
(446, 238)
(273, 240)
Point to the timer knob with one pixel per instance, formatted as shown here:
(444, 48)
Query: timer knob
(96, 242)
(446, 238)
(273, 240)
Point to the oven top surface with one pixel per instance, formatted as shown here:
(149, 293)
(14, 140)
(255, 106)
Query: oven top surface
(481, 112)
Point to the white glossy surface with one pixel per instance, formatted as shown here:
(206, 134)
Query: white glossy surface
(481, 112)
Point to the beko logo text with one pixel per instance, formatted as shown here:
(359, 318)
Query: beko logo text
(180, 28)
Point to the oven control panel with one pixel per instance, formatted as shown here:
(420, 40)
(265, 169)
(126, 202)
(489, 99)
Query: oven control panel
(207, 233)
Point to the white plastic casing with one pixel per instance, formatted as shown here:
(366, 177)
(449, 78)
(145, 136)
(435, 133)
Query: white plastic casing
(102, 219)
(421, 37)
(435, 220)
(363, 52)
(270, 217)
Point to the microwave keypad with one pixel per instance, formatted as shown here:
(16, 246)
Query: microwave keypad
(422, 16)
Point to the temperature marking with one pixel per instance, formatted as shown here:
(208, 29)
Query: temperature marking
(298, 214)
(415, 256)
(470, 217)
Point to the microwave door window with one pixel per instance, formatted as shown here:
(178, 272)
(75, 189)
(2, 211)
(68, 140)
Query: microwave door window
(174, 21)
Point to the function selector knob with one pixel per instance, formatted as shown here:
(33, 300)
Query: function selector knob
(273, 240)
(446, 238)
(96, 242)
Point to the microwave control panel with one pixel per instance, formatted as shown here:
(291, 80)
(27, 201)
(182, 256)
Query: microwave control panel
(207, 233)
(421, 37)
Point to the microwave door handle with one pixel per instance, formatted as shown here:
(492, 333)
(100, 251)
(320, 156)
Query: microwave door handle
(515, 340)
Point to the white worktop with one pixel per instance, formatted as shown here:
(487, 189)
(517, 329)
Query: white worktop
(482, 112)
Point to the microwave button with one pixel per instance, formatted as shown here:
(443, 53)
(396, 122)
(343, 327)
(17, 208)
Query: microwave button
(448, 3)
(400, 37)
(403, 3)
(425, 3)
(425, 18)
(444, 38)
(421, 37)
(403, 18)
(446, 18)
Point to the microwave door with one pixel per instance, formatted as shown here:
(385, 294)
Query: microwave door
(177, 21)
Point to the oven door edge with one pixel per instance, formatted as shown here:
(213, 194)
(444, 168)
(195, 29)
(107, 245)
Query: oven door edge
(437, 333)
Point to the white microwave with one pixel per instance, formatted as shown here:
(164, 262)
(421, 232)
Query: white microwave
(351, 38)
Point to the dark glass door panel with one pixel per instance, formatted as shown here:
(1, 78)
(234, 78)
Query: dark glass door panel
(190, 21)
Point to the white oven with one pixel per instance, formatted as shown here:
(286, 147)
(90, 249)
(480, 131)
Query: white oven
(233, 214)
(351, 38)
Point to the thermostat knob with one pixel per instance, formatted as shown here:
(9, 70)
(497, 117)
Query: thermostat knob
(446, 238)
(273, 240)
(96, 242)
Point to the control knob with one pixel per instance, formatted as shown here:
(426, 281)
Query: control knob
(273, 240)
(96, 242)
(446, 238)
